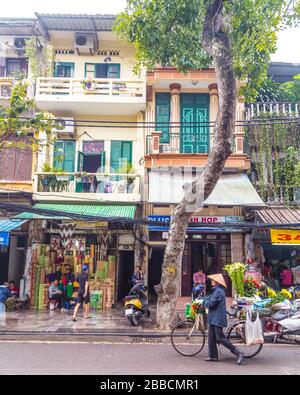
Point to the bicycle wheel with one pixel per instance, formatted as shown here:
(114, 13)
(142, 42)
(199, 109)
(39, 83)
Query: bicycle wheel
(187, 339)
(236, 335)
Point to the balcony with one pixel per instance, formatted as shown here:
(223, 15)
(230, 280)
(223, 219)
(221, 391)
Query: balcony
(94, 97)
(257, 109)
(171, 154)
(87, 186)
(279, 195)
(6, 86)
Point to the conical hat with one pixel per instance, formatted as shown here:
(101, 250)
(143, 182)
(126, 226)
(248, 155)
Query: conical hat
(218, 278)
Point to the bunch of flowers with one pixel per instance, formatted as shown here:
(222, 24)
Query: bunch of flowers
(250, 287)
(278, 297)
(271, 293)
(236, 273)
(286, 294)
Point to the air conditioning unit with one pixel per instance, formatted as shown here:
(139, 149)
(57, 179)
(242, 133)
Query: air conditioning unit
(67, 125)
(19, 45)
(84, 43)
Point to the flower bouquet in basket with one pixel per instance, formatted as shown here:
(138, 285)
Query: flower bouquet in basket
(236, 272)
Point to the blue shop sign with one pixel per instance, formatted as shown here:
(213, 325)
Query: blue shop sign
(4, 238)
(162, 222)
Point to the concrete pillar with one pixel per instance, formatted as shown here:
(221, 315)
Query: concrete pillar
(237, 247)
(213, 107)
(175, 117)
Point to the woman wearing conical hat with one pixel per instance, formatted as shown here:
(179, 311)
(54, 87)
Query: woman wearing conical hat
(215, 301)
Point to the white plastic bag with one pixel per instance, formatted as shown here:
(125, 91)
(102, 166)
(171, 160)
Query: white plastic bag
(253, 330)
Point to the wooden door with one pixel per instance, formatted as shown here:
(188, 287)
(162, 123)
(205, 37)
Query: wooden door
(194, 135)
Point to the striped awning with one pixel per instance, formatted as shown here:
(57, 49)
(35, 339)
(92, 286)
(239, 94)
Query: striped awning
(279, 216)
(126, 211)
(7, 225)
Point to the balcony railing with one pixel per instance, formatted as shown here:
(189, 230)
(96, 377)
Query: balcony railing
(154, 144)
(96, 87)
(91, 183)
(256, 109)
(279, 194)
(6, 85)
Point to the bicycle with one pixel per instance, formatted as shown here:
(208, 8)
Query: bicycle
(188, 337)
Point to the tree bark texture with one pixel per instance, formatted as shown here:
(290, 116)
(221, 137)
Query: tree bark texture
(216, 42)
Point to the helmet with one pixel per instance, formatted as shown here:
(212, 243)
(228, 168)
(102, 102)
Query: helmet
(85, 268)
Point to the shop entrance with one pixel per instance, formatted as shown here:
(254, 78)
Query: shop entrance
(210, 254)
(154, 271)
(4, 260)
(125, 271)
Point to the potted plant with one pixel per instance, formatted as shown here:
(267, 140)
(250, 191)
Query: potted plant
(129, 170)
(88, 84)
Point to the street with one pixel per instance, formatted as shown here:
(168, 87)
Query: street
(99, 358)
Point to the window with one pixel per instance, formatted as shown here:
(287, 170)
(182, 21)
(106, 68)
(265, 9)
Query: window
(121, 153)
(162, 114)
(64, 155)
(102, 70)
(16, 164)
(64, 70)
(16, 68)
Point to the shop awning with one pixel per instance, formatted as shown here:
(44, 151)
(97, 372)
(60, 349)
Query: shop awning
(279, 216)
(96, 210)
(231, 189)
(7, 225)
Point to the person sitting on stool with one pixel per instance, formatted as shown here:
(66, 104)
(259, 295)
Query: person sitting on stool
(55, 293)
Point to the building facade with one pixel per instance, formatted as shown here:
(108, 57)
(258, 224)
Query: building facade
(183, 108)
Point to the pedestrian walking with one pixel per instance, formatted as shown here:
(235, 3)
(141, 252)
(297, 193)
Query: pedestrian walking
(83, 293)
(215, 301)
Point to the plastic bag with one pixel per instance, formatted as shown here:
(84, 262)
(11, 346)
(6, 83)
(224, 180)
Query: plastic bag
(253, 330)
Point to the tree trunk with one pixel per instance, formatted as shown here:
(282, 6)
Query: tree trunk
(216, 42)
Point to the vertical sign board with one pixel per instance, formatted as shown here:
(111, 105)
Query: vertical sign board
(4, 238)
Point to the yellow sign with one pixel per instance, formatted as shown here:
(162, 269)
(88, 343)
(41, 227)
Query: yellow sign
(91, 225)
(285, 236)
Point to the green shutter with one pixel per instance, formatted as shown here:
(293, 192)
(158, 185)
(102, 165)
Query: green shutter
(127, 151)
(194, 133)
(162, 114)
(69, 159)
(58, 156)
(80, 162)
(115, 156)
(103, 162)
(121, 152)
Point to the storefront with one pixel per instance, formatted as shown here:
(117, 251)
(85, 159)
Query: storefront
(12, 248)
(281, 250)
(215, 236)
(107, 247)
(207, 247)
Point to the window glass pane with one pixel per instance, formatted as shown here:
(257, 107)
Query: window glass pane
(101, 70)
(89, 70)
(113, 71)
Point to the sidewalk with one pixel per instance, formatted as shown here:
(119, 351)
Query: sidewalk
(108, 322)
(54, 322)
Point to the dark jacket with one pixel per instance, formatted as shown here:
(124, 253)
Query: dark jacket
(4, 293)
(216, 304)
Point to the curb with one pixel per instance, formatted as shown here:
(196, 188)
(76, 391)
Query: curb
(95, 334)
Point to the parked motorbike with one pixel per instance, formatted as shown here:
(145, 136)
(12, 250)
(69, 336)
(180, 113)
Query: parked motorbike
(136, 304)
(283, 323)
